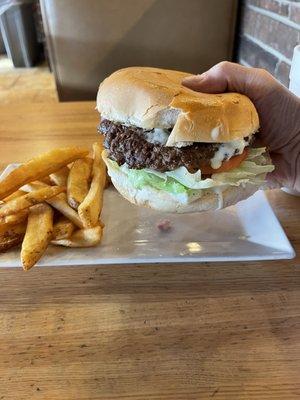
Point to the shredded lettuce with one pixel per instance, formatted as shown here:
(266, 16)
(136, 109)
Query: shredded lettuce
(141, 178)
(180, 181)
(255, 152)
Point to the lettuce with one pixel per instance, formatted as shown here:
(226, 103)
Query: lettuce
(140, 178)
(180, 181)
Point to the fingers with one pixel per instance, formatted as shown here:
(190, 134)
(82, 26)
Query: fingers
(227, 76)
(208, 82)
(286, 170)
(272, 181)
(222, 77)
(278, 110)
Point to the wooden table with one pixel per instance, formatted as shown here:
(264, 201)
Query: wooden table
(222, 331)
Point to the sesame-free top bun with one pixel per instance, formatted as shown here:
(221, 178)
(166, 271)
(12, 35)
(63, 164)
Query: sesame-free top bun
(155, 98)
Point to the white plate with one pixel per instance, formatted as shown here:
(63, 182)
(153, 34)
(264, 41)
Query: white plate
(247, 231)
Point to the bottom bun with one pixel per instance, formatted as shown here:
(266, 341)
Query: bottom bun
(163, 201)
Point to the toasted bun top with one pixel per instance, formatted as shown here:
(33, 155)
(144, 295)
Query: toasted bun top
(155, 98)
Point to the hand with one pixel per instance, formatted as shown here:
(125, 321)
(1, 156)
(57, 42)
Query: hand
(277, 107)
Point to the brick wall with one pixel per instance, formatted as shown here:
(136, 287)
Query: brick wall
(269, 31)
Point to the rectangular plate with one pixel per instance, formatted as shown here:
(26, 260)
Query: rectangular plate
(244, 232)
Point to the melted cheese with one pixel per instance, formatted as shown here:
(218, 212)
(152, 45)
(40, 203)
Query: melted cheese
(157, 136)
(160, 136)
(226, 151)
(183, 144)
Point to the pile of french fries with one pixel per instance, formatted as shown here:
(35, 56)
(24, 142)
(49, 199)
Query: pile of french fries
(57, 198)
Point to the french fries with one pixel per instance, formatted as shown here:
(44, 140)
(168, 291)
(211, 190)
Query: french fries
(47, 181)
(12, 237)
(14, 195)
(39, 167)
(11, 220)
(60, 177)
(90, 209)
(38, 234)
(62, 229)
(78, 181)
(64, 185)
(58, 202)
(82, 238)
(29, 199)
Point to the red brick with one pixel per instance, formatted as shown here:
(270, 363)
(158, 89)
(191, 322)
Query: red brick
(271, 5)
(282, 73)
(256, 56)
(275, 34)
(295, 13)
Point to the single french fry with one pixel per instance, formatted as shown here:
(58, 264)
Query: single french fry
(47, 181)
(12, 237)
(14, 195)
(11, 220)
(38, 234)
(35, 185)
(58, 202)
(82, 238)
(29, 199)
(78, 181)
(63, 229)
(60, 177)
(90, 209)
(39, 167)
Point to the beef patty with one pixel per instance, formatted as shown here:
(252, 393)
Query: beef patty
(126, 144)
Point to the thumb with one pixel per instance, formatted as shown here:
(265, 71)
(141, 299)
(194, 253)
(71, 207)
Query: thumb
(227, 76)
(206, 83)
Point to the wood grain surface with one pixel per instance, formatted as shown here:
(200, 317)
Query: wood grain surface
(26, 85)
(171, 332)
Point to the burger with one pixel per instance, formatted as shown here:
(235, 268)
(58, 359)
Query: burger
(172, 149)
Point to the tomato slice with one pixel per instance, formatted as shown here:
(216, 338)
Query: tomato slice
(233, 162)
